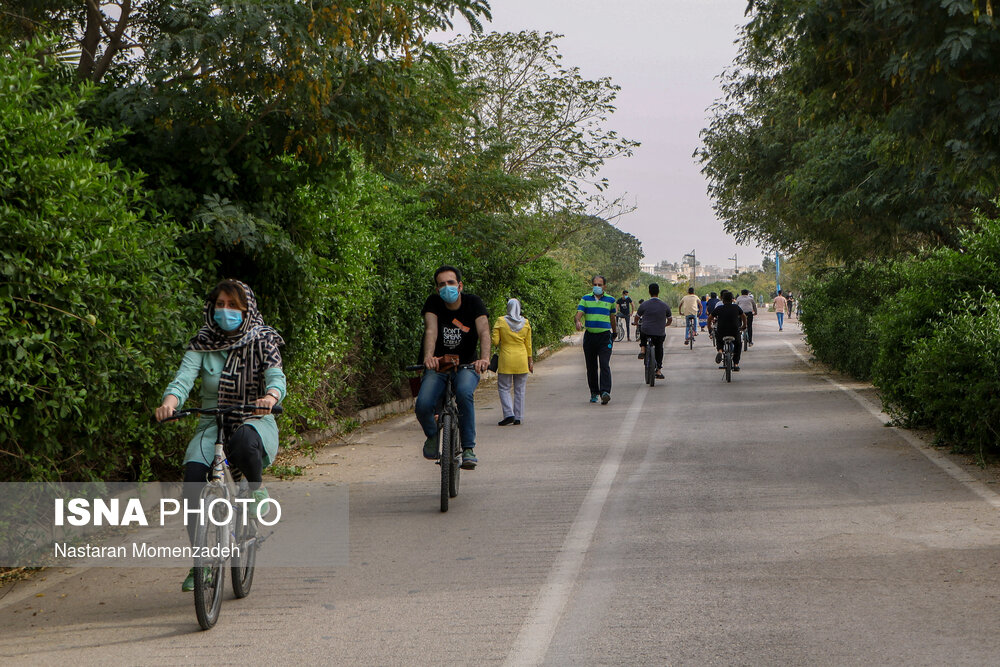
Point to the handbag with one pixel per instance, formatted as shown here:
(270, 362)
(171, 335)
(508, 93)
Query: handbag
(494, 363)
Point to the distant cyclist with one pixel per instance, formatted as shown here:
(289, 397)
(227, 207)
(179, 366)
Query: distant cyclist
(625, 312)
(749, 307)
(703, 315)
(728, 320)
(454, 322)
(656, 317)
(690, 308)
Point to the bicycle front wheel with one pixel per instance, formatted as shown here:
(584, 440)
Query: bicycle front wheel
(456, 463)
(243, 564)
(208, 573)
(447, 460)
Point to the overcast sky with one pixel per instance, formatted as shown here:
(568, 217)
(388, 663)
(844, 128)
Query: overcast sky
(665, 55)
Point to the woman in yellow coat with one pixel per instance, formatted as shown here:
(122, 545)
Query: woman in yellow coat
(513, 334)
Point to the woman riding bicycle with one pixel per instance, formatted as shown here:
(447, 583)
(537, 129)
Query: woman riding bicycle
(237, 357)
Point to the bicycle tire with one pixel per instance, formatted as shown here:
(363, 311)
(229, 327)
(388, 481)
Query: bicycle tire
(620, 332)
(208, 591)
(728, 356)
(243, 565)
(456, 464)
(447, 462)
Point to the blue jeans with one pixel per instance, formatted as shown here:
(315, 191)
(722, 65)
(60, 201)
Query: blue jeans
(432, 387)
(781, 318)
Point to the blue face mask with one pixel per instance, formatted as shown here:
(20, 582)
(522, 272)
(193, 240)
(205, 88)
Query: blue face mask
(228, 320)
(449, 293)
(598, 290)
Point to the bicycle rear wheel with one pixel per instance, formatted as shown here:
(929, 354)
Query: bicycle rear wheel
(456, 463)
(447, 459)
(243, 564)
(208, 573)
(729, 362)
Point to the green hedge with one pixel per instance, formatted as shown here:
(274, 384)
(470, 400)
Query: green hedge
(93, 297)
(926, 331)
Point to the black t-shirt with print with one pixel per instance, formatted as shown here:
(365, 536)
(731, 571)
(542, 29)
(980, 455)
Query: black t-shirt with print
(456, 328)
(727, 319)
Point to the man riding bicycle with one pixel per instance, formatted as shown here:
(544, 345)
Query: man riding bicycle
(690, 308)
(728, 320)
(656, 317)
(454, 322)
(749, 307)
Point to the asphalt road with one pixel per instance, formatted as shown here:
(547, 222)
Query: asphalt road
(771, 521)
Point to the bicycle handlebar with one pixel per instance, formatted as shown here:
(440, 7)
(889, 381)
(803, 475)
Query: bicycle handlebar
(421, 367)
(179, 414)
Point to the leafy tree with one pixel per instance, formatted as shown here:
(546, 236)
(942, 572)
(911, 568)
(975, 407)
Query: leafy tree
(857, 129)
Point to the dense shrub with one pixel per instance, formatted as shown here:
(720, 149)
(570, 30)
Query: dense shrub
(926, 331)
(93, 298)
(932, 287)
(955, 375)
(839, 310)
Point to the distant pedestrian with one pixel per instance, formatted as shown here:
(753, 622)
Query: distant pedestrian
(780, 304)
(625, 312)
(513, 334)
(791, 305)
(596, 314)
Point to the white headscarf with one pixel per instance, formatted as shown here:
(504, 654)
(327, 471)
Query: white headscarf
(514, 319)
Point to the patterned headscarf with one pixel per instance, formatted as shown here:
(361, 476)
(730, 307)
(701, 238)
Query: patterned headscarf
(253, 348)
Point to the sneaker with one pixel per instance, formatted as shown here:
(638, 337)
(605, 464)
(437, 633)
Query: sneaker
(593, 398)
(517, 422)
(751, 343)
(431, 448)
(469, 459)
(642, 355)
(605, 397)
(188, 584)
(259, 496)
(659, 376)
(505, 421)
(736, 368)
(718, 358)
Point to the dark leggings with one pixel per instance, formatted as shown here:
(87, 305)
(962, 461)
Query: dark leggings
(245, 450)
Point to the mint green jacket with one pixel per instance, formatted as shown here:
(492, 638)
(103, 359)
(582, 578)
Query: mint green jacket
(209, 366)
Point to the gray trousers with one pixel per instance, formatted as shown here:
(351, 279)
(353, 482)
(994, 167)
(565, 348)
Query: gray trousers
(505, 381)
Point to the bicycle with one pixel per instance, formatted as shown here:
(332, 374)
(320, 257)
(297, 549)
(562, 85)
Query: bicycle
(620, 332)
(239, 535)
(449, 438)
(650, 361)
(690, 329)
(728, 343)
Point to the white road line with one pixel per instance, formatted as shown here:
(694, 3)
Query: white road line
(935, 456)
(540, 626)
